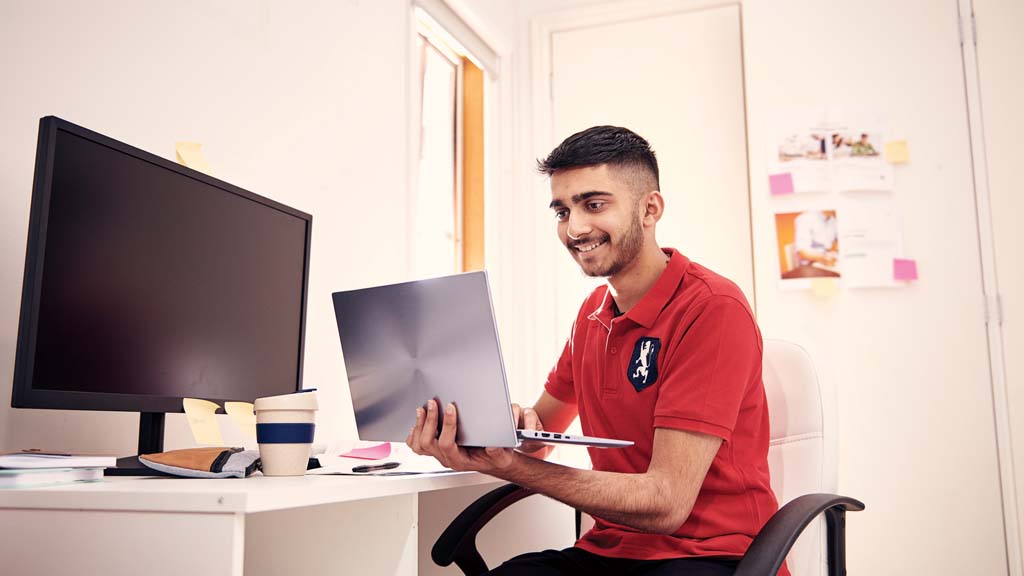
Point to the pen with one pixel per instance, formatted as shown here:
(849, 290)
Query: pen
(374, 467)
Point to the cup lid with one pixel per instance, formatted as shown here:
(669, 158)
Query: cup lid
(305, 400)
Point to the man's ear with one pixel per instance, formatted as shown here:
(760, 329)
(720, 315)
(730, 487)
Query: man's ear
(652, 207)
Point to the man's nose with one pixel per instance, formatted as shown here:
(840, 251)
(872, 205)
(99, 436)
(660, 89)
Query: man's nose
(578, 226)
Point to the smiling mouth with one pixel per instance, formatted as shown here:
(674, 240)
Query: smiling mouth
(584, 248)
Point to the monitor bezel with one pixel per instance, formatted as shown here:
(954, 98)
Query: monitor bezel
(23, 394)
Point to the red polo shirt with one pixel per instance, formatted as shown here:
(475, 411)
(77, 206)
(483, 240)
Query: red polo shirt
(688, 357)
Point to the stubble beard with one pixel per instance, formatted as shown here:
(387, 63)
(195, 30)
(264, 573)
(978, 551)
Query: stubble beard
(626, 250)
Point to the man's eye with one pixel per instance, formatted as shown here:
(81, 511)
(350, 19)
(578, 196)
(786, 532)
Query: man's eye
(561, 215)
(595, 205)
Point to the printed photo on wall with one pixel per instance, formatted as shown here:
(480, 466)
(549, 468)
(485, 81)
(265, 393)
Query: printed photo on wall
(851, 145)
(800, 163)
(802, 146)
(857, 162)
(808, 244)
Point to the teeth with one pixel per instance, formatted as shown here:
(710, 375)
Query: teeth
(589, 247)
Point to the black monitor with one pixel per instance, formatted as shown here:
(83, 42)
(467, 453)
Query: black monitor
(147, 282)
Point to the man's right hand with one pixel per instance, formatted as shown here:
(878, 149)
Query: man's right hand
(527, 419)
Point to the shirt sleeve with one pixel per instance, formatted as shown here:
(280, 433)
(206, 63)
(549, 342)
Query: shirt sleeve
(713, 365)
(560, 380)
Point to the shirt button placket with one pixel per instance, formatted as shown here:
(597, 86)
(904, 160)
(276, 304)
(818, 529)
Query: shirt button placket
(611, 373)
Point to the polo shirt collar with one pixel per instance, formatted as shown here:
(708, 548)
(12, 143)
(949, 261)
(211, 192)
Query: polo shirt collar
(646, 311)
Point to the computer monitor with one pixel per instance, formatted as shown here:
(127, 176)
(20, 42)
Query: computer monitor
(147, 282)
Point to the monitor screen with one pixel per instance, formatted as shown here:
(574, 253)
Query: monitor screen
(147, 282)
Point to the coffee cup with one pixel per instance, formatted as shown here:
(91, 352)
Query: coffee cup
(284, 431)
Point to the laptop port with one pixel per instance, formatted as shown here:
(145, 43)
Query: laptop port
(545, 435)
(558, 436)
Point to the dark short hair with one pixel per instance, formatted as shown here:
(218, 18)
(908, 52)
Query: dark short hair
(611, 145)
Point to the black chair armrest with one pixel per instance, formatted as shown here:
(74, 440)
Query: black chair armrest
(764, 557)
(769, 548)
(458, 541)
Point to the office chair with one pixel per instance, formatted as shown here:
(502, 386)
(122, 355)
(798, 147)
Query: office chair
(798, 475)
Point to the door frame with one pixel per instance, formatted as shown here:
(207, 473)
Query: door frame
(990, 289)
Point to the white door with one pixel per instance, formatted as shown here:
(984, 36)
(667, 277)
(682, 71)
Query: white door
(677, 80)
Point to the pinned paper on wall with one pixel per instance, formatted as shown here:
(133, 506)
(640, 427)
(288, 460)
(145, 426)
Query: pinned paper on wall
(203, 421)
(377, 452)
(896, 152)
(824, 287)
(870, 237)
(243, 416)
(780, 184)
(191, 154)
(828, 149)
(904, 269)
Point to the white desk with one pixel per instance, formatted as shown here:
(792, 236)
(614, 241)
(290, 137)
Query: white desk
(303, 525)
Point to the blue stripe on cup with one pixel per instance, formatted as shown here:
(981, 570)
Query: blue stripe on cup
(285, 433)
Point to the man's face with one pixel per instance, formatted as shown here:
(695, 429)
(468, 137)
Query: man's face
(598, 218)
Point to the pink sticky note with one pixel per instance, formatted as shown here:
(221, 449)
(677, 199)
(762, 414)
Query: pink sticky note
(780, 184)
(904, 269)
(377, 452)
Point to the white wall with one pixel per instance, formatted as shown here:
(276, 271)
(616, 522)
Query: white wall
(303, 105)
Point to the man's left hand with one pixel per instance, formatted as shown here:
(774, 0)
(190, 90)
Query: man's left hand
(422, 440)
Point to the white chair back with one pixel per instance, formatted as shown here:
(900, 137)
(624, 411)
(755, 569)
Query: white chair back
(796, 455)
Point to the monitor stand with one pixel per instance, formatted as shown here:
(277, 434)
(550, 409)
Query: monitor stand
(151, 441)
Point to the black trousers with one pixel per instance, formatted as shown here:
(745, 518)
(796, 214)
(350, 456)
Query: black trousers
(577, 561)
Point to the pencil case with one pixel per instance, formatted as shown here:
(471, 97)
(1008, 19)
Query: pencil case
(216, 462)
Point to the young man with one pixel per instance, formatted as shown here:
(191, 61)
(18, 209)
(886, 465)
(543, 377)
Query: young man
(666, 354)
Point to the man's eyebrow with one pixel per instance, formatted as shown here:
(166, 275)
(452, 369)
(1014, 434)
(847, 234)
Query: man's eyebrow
(577, 198)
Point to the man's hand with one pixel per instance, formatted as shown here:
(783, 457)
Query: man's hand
(527, 419)
(422, 441)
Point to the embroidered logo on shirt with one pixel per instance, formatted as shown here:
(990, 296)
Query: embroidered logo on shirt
(643, 364)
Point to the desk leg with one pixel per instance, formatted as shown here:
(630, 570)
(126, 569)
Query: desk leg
(120, 543)
(377, 536)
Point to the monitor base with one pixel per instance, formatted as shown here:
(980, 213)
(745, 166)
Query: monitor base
(130, 466)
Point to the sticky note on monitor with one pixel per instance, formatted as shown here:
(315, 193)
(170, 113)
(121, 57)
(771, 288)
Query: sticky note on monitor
(896, 152)
(904, 269)
(191, 154)
(242, 414)
(202, 420)
(780, 184)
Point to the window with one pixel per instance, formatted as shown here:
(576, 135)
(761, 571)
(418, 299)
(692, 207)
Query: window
(448, 201)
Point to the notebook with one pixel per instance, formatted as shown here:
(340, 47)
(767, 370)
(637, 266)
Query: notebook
(437, 338)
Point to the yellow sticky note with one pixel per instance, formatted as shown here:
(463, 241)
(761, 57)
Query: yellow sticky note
(896, 152)
(824, 287)
(243, 416)
(203, 421)
(191, 154)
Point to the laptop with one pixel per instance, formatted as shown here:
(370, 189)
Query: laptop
(436, 338)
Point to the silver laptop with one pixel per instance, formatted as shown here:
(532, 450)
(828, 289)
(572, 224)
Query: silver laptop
(405, 343)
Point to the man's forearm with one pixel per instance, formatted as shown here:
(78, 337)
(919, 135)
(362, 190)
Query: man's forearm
(641, 501)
